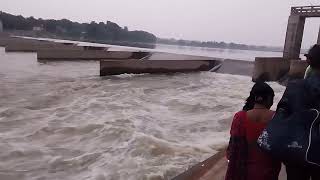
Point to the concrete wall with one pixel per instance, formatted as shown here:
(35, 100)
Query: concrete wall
(294, 36)
(38, 46)
(270, 68)
(1, 26)
(236, 67)
(3, 35)
(173, 56)
(297, 69)
(216, 163)
(88, 55)
(6, 40)
(155, 66)
(318, 42)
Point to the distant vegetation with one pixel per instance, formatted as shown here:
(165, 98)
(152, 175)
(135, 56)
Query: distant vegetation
(101, 32)
(108, 33)
(213, 44)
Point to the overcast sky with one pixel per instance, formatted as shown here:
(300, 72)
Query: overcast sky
(260, 22)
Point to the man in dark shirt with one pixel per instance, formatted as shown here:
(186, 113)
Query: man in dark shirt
(302, 95)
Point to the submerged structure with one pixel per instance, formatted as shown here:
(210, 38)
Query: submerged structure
(155, 66)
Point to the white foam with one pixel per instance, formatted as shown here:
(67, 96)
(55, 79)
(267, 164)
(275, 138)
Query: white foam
(61, 121)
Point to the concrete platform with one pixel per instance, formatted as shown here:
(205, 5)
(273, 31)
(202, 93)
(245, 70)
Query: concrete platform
(270, 68)
(155, 66)
(173, 56)
(5, 40)
(214, 168)
(278, 69)
(236, 67)
(67, 55)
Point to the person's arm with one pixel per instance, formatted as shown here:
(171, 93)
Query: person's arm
(236, 136)
(308, 72)
(237, 149)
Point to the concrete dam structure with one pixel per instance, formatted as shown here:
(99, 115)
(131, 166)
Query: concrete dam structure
(1, 26)
(295, 29)
(5, 40)
(112, 62)
(38, 46)
(72, 55)
(155, 66)
(146, 62)
(275, 69)
(236, 67)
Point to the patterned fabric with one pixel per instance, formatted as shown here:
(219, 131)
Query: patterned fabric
(237, 152)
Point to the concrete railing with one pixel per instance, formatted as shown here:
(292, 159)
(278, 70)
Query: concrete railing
(308, 11)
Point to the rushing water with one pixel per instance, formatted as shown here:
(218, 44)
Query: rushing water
(60, 120)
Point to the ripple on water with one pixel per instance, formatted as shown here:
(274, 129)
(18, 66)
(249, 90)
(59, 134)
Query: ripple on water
(61, 121)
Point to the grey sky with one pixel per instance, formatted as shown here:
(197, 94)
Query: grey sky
(261, 22)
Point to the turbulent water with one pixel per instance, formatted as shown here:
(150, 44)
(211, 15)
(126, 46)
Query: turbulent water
(62, 121)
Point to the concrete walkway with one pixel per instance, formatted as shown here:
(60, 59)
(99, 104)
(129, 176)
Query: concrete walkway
(218, 171)
(213, 168)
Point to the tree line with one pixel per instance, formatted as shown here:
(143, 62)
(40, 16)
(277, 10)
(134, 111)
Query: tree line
(98, 32)
(214, 44)
(107, 32)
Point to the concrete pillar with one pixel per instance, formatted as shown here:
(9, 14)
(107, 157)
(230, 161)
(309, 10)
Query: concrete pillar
(270, 68)
(318, 42)
(1, 26)
(294, 37)
(297, 69)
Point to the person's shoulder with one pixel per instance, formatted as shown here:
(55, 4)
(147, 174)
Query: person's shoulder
(240, 113)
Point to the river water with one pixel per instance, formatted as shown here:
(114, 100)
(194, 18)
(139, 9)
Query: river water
(60, 120)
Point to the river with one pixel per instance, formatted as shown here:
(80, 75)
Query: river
(60, 120)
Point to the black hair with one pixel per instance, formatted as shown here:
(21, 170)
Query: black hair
(314, 56)
(261, 93)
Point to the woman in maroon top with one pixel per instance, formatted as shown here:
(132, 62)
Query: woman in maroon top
(246, 160)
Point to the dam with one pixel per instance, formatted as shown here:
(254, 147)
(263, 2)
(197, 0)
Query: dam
(68, 120)
(277, 68)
